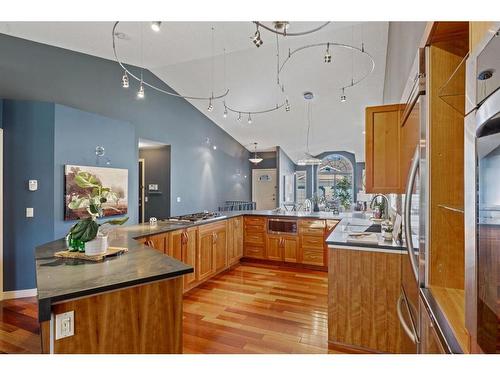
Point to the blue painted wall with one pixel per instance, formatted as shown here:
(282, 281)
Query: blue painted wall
(201, 177)
(91, 101)
(28, 154)
(77, 133)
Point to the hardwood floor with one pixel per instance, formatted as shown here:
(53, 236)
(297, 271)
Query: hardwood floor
(248, 309)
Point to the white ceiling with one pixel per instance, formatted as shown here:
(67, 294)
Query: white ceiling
(181, 55)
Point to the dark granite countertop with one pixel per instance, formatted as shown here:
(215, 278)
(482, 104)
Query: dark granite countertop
(61, 279)
(339, 237)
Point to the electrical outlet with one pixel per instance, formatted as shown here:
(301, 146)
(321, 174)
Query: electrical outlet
(30, 212)
(178, 199)
(65, 325)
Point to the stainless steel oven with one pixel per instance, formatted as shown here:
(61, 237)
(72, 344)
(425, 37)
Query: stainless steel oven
(482, 203)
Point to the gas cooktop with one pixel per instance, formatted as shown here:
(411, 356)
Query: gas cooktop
(199, 216)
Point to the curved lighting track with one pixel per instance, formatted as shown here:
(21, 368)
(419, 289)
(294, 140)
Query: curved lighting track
(212, 97)
(278, 106)
(333, 44)
(284, 33)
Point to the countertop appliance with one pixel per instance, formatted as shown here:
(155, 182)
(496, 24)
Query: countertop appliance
(198, 216)
(482, 209)
(415, 208)
(282, 226)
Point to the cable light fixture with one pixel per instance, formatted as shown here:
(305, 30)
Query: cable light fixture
(144, 83)
(281, 28)
(255, 159)
(309, 159)
(281, 88)
(327, 59)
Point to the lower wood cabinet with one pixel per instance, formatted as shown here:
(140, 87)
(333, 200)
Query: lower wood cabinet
(254, 237)
(220, 246)
(363, 291)
(234, 240)
(183, 244)
(282, 248)
(206, 256)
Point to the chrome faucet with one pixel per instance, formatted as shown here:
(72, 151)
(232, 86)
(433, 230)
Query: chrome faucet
(385, 213)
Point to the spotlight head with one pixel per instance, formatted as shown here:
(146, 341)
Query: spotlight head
(256, 39)
(155, 26)
(239, 116)
(125, 81)
(287, 106)
(225, 112)
(140, 93)
(249, 119)
(343, 98)
(328, 57)
(210, 106)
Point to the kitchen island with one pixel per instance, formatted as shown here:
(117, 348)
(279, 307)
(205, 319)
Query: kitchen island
(364, 281)
(130, 303)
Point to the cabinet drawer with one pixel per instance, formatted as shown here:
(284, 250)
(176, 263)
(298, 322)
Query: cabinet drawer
(315, 242)
(254, 229)
(312, 256)
(312, 226)
(255, 238)
(256, 221)
(254, 251)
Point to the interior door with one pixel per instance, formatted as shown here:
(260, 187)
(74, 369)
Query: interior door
(264, 185)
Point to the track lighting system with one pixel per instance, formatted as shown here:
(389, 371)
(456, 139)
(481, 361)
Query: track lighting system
(143, 83)
(156, 26)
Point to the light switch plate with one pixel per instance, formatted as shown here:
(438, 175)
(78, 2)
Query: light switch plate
(30, 212)
(65, 325)
(178, 199)
(33, 185)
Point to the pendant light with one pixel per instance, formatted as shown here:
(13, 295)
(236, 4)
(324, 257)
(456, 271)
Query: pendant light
(309, 159)
(255, 159)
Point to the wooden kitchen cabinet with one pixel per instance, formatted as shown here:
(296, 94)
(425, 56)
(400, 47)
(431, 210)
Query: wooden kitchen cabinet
(383, 148)
(254, 237)
(158, 242)
(282, 248)
(363, 290)
(312, 250)
(234, 240)
(206, 255)
(183, 244)
(220, 246)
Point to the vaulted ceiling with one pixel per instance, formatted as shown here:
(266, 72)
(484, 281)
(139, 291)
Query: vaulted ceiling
(181, 55)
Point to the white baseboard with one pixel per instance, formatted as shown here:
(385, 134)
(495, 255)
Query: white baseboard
(11, 294)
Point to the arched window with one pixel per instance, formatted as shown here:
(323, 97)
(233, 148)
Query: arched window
(335, 180)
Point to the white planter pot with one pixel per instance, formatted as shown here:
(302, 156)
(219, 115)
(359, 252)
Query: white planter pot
(97, 246)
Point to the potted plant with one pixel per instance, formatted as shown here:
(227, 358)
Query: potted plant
(343, 193)
(88, 235)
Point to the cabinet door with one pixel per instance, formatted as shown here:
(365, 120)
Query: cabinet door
(290, 249)
(157, 242)
(383, 149)
(220, 247)
(238, 237)
(274, 247)
(231, 251)
(188, 249)
(206, 258)
(410, 136)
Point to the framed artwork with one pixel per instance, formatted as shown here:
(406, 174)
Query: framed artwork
(114, 178)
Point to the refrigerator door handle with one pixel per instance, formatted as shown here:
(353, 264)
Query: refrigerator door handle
(411, 334)
(407, 217)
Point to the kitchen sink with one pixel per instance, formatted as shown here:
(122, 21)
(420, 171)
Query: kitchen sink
(374, 228)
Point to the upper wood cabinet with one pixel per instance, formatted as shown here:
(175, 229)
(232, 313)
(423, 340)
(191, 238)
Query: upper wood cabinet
(383, 149)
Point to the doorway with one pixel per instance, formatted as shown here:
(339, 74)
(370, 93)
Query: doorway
(154, 167)
(264, 187)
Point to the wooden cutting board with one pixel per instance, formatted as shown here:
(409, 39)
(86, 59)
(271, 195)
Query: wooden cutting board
(112, 251)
